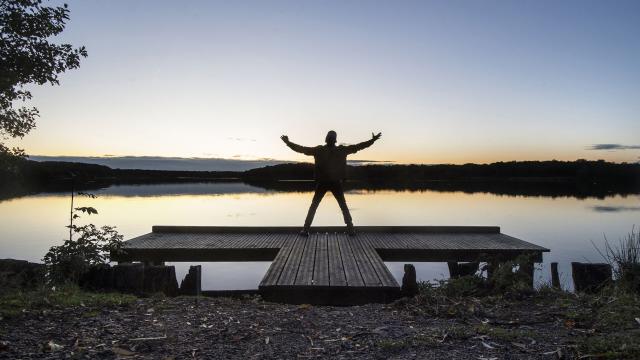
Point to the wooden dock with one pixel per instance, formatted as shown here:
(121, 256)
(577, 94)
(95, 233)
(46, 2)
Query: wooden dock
(328, 267)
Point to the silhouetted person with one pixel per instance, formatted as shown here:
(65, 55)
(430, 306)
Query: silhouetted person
(330, 171)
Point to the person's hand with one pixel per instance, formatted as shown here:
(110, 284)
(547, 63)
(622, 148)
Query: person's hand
(376, 136)
(284, 138)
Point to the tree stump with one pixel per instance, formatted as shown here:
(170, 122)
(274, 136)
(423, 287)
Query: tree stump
(160, 279)
(590, 277)
(129, 278)
(191, 284)
(99, 277)
(409, 282)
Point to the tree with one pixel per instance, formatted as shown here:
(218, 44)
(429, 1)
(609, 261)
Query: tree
(28, 57)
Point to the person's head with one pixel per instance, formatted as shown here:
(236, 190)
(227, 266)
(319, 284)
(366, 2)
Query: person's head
(331, 138)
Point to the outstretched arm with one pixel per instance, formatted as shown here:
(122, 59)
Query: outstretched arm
(363, 145)
(297, 148)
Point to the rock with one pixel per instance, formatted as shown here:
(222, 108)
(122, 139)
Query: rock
(20, 274)
(131, 278)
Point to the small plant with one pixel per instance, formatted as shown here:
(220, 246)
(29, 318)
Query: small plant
(67, 262)
(92, 246)
(511, 277)
(624, 258)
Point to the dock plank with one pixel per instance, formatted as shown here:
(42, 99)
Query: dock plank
(369, 275)
(273, 273)
(290, 269)
(307, 262)
(321, 265)
(385, 276)
(352, 274)
(336, 268)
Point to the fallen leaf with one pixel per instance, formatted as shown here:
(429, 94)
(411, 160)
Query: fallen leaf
(520, 345)
(557, 351)
(266, 340)
(487, 345)
(122, 352)
(569, 324)
(380, 330)
(52, 346)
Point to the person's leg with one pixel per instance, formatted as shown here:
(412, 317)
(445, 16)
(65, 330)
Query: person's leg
(321, 189)
(338, 193)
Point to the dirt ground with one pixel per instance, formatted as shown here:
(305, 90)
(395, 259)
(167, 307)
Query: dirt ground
(248, 328)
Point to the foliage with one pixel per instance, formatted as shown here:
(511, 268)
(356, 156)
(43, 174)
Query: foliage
(28, 57)
(67, 262)
(92, 246)
(508, 277)
(10, 161)
(16, 302)
(624, 258)
(471, 285)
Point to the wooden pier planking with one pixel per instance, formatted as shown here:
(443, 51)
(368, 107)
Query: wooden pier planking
(307, 262)
(336, 264)
(328, 267)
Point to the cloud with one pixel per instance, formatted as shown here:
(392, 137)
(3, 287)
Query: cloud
(613, 147)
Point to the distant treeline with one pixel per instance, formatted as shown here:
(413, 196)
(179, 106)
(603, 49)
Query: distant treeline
(522, 177)
(580, 170)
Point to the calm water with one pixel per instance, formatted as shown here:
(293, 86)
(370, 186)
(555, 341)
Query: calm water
(30, 225)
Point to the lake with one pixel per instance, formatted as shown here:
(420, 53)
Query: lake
(567, 225)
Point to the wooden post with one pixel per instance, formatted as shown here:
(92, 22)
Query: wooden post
(409, 282)
(555, 278)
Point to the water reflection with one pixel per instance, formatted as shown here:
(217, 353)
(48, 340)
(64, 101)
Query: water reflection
(567, 225)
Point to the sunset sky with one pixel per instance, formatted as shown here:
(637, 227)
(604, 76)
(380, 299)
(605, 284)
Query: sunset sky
(444, 81)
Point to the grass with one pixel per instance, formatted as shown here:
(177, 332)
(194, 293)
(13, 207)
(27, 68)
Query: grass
(15, 302)
(601, 325)
(624, 258)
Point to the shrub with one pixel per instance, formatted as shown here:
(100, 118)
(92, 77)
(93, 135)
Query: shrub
(67, 262)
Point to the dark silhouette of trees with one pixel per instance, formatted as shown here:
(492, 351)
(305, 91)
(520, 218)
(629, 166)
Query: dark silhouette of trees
(28, 57)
